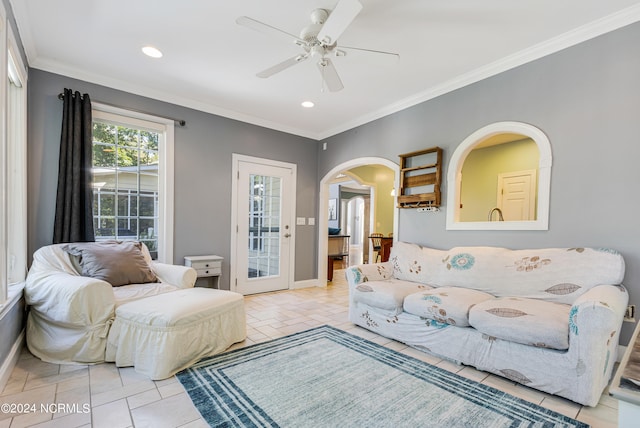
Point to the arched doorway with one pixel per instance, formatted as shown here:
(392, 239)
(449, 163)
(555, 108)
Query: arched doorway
(323, 222)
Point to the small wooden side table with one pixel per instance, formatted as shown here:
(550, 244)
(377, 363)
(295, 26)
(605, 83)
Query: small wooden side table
(209, 266)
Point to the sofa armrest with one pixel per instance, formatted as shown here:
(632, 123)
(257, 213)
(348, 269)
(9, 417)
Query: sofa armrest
(600, 309)
(180, 276)
(595, 321)
(69, 299)
(368, 272)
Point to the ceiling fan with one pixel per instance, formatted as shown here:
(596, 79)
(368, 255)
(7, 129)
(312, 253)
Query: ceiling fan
(318, 40)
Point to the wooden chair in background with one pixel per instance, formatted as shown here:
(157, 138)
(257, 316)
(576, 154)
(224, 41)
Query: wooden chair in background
(376, 241)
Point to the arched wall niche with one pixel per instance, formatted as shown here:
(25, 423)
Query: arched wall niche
(454, 178)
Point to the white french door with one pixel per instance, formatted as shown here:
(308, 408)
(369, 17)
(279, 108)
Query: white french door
(264, 197)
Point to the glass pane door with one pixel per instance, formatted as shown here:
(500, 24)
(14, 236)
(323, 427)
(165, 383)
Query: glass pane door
(264, 226)
(264, 200)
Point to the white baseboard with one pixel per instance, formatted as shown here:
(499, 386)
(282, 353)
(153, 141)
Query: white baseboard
(11, 361)
(305, 284)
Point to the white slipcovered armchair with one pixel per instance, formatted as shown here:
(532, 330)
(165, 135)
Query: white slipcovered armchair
(70, 314)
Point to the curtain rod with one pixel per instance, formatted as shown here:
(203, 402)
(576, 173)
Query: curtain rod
(180, 122)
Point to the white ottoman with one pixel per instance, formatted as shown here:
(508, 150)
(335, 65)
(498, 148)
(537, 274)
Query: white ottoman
(163, 334)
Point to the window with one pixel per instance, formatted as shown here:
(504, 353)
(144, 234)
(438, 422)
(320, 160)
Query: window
(133, 179)
(16, 172)
(13, 163)
(264, 225)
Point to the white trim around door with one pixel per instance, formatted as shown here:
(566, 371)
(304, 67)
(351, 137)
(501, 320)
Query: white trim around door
(280, 278)
(323, 221)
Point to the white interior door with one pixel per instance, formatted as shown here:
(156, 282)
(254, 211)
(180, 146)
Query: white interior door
(516, 195)
(355, 227)
(264, 197)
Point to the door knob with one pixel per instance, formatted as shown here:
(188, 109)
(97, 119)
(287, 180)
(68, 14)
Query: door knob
(286, 235)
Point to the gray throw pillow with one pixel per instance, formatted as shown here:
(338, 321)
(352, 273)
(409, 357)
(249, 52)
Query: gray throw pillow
(118, 263)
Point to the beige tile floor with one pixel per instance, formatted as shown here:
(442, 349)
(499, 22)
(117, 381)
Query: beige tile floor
(119, 397)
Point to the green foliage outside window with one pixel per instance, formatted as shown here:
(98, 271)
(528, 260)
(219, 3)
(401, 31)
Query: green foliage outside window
(121, 146)
(125, 201)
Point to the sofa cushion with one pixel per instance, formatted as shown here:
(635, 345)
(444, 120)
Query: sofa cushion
(409, 262)
(387, 295)
(118, 263)
(552, 274)
(130, 292)
(445, 304)
(527, 321)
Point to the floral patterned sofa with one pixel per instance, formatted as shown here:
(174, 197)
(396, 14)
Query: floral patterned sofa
(549, 319)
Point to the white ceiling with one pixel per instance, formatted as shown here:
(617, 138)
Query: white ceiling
(210, 62)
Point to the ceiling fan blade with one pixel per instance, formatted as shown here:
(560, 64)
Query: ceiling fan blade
(380, 57)
(343, 14)
(330, 75)
(245, 21)
(282, 66)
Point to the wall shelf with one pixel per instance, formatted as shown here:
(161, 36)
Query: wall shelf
(420, 178)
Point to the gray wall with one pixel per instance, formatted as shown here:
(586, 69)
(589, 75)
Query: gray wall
(11, 325)
(585, 98)
(203, 150)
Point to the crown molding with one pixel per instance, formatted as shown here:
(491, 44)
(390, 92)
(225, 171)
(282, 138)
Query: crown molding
(574, 37)
(61, 69)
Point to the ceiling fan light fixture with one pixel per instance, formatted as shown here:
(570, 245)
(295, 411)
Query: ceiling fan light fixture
(307, 104)
(317, 51)
(152, 52)
(318, 41)
(319, 16)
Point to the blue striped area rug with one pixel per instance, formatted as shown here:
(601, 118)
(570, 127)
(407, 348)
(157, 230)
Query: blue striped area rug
(326, 377)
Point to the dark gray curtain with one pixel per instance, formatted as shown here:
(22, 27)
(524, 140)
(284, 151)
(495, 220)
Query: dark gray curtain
(74, 201)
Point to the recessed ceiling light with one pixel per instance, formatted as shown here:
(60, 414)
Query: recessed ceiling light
(152, 52)
(307, 104)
